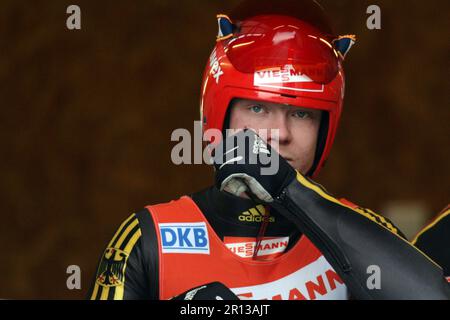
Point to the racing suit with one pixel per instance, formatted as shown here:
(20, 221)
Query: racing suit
(166, 249)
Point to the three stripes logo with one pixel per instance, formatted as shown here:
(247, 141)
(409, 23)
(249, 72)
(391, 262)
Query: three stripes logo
(256, 214)
(110, 276)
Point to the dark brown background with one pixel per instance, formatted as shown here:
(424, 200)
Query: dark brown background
(86, 118)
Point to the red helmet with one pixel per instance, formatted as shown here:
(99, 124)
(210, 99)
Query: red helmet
(286, 55)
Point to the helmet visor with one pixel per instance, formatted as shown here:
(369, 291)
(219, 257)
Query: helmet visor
(268, 43)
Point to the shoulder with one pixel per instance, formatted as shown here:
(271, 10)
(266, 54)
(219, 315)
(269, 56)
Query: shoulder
(439, 226)
(434, 240)
(320, 191)
(127, 234)
(173, 205)
(380, 219)
(131, 230)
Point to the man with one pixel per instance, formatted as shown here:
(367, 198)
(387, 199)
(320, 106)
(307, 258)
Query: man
(278, 69)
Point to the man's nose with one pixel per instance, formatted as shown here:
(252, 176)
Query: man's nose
(279, 132)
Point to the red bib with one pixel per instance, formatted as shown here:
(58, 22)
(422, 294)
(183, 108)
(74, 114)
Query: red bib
(192, 254)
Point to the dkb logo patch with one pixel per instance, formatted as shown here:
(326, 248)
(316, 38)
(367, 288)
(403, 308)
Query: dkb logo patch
(184, 238)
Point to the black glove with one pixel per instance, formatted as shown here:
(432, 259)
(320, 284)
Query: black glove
(245, 163)
(210, 291)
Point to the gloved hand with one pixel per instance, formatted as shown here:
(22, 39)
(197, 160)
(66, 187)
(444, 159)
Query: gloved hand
(210, 291)
(244, 163)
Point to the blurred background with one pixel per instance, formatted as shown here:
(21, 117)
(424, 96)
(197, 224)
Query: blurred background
(86, 118)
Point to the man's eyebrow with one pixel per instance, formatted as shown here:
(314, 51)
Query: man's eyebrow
(298, 108)
(252, 103)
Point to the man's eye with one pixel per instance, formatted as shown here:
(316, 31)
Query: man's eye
(301, 114)
(256, 109)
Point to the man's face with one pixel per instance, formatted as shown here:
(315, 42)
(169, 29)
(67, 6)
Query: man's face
(297, 128)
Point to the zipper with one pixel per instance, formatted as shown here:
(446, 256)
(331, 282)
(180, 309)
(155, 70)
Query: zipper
(340, 258)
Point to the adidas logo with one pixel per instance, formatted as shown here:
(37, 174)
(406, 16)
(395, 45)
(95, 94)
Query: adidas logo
(256, 214)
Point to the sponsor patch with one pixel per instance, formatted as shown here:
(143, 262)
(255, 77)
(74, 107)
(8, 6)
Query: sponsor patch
(190, 238)
(285, 78)
(269, 248)
(316, 281)
(214, 65)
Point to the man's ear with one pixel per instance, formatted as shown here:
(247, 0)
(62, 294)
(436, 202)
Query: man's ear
(343, 44)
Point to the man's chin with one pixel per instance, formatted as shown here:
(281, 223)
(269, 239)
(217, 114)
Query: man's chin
(297, 167)
(293, 165)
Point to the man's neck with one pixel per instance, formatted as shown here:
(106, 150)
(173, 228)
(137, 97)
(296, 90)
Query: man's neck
(232, 216)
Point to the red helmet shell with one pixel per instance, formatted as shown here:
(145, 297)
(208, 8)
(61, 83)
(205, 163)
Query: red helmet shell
(279, 59)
